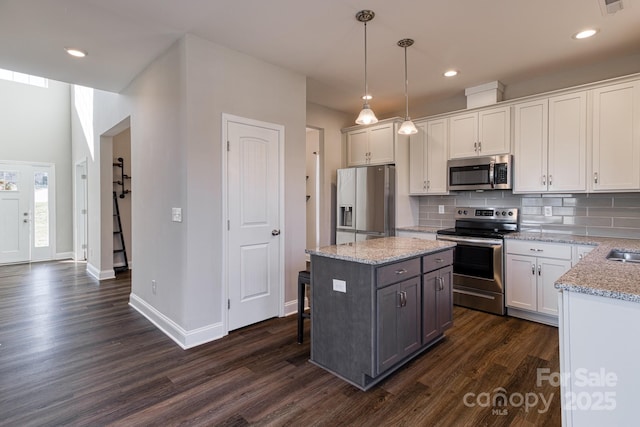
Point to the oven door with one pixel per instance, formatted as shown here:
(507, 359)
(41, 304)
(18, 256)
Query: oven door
(477, 263)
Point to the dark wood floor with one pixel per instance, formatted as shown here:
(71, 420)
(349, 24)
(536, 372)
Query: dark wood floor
(72, 352)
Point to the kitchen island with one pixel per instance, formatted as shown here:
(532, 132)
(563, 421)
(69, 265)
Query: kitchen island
(599, 306)
(377, 304)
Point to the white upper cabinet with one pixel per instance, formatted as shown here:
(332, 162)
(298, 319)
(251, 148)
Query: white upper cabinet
(481, 133)
(371, 145)
(550, 146)
(428, 158)
(616, 138)
(530, 146)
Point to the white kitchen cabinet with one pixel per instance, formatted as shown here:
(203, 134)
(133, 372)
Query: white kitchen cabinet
(532, 269)
(616, 137)
(579, 252)
(371, 145)
(485, 132)
(551, 144)
(428, 158)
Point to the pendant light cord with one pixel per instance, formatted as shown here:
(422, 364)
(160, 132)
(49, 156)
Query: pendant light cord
(406, 85)
(366, 87)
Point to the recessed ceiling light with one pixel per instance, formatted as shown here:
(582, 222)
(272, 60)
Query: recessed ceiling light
(584, 34)
(450, 73)
(75, 52)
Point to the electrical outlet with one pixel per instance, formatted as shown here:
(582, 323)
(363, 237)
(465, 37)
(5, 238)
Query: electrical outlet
(440, 209)
(153, 286)
(339, 285)
(548, 211)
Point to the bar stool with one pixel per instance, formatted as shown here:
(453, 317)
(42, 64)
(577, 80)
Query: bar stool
(304, 279)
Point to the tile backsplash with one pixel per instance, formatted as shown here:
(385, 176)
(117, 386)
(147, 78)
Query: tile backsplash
(605, 215)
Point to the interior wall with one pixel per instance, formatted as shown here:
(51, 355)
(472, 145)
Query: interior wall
(220, 80)
(93, 113)
(35, 126)
(583, 74)
(329, 122)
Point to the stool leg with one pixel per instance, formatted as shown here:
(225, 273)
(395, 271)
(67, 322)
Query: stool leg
(301, 287)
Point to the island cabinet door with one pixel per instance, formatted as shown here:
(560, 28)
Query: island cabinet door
(398, 322)
(437, 303)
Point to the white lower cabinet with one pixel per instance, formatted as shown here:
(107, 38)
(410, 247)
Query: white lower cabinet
(416, 234)
(532, 268)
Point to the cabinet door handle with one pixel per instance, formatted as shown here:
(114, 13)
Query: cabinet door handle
(475, 147)
(424, 185)
(539, 270)
(479, 146)
(550, 179)
(536, 250)
(595, 177)
(440, 283)
(403, 298)
(533, 269)
(428, 184)
(439, 260)
(401, 271)
(544, 180)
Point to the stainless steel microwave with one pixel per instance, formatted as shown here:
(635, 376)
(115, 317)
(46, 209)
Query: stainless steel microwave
(480, 173)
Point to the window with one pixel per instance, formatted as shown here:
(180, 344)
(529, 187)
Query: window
(14, 76)
(8, 181)
(41, 209)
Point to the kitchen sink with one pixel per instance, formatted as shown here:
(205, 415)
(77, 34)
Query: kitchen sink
(623, 256)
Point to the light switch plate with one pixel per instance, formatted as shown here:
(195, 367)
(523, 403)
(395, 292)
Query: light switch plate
(339, 285)
(176, 214)
(547, 211)
(440, 209)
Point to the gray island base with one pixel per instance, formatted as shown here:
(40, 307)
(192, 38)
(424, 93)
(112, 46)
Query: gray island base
(377, 304)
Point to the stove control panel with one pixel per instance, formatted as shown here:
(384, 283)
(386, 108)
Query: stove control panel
(488, 214)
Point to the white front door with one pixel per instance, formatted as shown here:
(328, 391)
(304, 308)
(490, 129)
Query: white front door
(15, 213)
(27, 212)
(254, 263)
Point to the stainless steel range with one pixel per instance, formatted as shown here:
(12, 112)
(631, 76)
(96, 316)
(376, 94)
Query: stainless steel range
(477, 266)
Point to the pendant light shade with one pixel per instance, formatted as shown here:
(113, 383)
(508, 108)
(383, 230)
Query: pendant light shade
(366, 116)
(407, 127)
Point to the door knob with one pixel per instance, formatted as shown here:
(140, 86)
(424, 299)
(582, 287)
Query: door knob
(275, 232)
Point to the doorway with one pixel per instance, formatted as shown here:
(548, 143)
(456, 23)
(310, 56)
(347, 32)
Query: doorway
(253, 244)
(313, 180)
(27, 212)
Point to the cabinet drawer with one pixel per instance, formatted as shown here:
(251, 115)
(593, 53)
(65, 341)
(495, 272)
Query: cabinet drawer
(539, 249)
(438, 260)
(393, 273)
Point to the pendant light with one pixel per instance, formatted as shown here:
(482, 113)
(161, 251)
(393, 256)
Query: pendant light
(407, 127)
(366, 116)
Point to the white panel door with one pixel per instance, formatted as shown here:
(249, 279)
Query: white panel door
(254, 223)
(15, 213)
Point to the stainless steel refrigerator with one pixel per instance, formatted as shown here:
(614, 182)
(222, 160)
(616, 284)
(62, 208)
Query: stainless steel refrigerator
(365, 203)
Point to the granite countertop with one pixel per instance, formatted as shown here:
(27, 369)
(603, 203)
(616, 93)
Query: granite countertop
(382, 251)
(595, 274)
(419, 229)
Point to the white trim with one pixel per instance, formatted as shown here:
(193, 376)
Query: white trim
(100, 275)
(185, 339)
(291, 307)
(226, 118)
(80, 254)
(64, 255)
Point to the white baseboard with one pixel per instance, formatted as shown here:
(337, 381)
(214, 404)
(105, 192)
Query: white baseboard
(100, 275)
(64, 255)
(290, 307)
(185, 339)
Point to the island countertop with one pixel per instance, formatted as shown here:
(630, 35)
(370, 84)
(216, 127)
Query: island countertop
(383, 250)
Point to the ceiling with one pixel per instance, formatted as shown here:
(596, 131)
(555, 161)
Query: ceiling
(486, 40)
